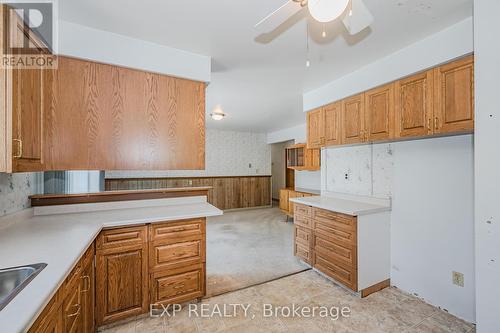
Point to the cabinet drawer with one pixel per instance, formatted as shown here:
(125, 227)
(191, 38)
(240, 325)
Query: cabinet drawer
(177, 254)
(303, 210)
(302, 252)
(303, 236)
(122, 237)
(177, 230)
(335, 220)
(302, 221)
(342, 274)
(331, 231)
(176, 286)
(339, 251)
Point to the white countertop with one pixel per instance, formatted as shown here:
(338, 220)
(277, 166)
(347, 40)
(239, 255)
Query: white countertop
(60, 238)
(346, 204)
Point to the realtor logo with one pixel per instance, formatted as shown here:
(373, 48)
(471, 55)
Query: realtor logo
(28, 34)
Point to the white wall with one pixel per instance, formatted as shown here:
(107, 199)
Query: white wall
(106, 47)
(453, 42)
(297, 133)
(227, 153)
(487, 164)
(432, 222)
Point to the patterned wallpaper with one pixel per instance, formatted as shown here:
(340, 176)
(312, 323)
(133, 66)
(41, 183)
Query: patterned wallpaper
(14, 191)
(361, 170)
(227, 153)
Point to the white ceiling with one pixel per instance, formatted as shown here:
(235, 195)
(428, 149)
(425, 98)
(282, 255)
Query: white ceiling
(258, 83)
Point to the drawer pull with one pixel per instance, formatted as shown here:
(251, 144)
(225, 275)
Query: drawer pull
(179, 286)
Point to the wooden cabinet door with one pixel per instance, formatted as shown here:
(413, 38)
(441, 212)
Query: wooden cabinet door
(55, 323)
(121, 283)
(27, 96)
(284, 199)
(379, 103)
(88, 298)
(414, 105)
(353, 119)
(454, 93)
(332, 113)
(315, 128)
(72, 310)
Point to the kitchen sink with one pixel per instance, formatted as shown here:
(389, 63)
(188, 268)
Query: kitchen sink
(14, 279)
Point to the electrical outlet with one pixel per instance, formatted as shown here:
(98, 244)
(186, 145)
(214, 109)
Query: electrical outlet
(346, 176)
(458, 279)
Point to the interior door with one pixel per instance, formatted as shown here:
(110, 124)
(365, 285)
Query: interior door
(414, 105)
(454, 91)
(379, 104)
(315, 128)
(353, 119)
(332, 113)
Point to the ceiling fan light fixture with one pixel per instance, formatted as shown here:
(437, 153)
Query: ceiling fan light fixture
(217, 114)
(326, 10)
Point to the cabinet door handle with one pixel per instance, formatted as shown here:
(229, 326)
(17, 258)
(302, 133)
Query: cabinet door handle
(20, 149)
(76, 313)
(429, 124)
(86, 280)
(436, 123)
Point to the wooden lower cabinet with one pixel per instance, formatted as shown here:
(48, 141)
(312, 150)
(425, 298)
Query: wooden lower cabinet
(128, 269)
(88, 296)
(286, 194)
(328, 241)
(178, 285)
(71, 309)
(121, 274)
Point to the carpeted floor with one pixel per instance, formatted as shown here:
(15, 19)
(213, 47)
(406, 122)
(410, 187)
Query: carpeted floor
(248, 247)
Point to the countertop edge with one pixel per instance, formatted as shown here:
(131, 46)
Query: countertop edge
(360, 212)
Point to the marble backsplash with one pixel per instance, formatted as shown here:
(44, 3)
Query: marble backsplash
(361, 170)
(15, 190)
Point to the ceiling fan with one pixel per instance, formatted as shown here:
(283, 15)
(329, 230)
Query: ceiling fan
(355, 15)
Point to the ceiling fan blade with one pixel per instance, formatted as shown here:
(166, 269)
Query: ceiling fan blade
(360, 19)
(278, 17)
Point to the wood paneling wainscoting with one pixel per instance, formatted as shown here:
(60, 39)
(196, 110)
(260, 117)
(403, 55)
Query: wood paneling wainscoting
(229, 192)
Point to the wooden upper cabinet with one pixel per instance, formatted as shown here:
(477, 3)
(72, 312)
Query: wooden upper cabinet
(454, 96)
(315, 128)
(23, 91)
(414, 105)
(353, 119)
(111, 118)
(379, 104)
(27, 119)
(332, 116)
